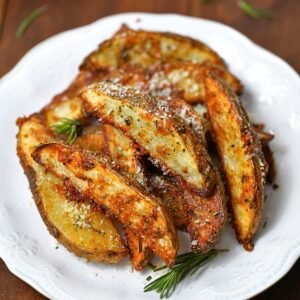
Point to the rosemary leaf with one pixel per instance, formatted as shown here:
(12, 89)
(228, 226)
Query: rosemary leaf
(254, 12)
(70, 128)
(29, 20)
(185, 264)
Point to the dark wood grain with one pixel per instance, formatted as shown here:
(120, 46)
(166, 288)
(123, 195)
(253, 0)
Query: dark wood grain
(280, 35)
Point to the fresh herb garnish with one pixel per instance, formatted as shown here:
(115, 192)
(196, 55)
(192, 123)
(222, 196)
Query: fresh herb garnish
(29, 20)
(69, 127)
(187, 263)
(254, 12)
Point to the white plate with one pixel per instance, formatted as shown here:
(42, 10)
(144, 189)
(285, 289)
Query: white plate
(272, 95)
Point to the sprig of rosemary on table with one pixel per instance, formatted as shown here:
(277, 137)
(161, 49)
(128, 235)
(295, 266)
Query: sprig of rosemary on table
(254, 12)
(69, 127)
(29, 20)
(185, 264)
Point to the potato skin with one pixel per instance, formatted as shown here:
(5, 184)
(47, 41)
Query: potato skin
(178, 79)
(242, 159)
(139, 47)
(94, 179)
(49, 195)
(127, 160)
(202, 217)
(152, 125)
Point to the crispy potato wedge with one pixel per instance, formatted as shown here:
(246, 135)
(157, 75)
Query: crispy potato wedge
(171, 196)
(139, 250)
(67, 104)
(146, 49)
(264, 137)
(80, 226)
(126, 159)
(241, 155)
(178, 79)
(95, 179)
(189, 78)
(202, 217)
(206, 217)
(125, 155)
(165, 137)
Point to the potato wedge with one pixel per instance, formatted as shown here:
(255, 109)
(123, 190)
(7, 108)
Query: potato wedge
(188, 80)
(126, 160)
(67, 104)
(171, 196)
(145, 48)
(178, 79)
(165, 137)
(242, 158)
(80, 226)
(140, 252)
(206, 217)
(202, 217)
(126, 156)
(95, 179)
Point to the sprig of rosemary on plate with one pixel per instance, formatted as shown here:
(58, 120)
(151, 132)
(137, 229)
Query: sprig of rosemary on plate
(69, 127)
(185, 264)
(254, 12)
(29, 20)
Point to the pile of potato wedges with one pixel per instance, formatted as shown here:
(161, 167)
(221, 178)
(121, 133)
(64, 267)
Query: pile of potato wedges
(160, 142)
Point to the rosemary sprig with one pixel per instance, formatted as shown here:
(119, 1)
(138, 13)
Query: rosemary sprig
(187, 263)
(29, 20)
(254, 12)
(69, 127)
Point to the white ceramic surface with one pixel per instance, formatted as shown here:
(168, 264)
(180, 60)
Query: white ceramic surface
(272, 96)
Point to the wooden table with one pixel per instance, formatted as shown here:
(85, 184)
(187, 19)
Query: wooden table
(280, 35)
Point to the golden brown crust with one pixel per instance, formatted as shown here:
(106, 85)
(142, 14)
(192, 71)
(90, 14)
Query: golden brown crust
(206, 217)
(140, 252)
(96, 180)
(203, 217)
(59, 213)
(147, 49)
(171, 196)
(149, 122)
(177, 79)
(126, 159)
(241, 155)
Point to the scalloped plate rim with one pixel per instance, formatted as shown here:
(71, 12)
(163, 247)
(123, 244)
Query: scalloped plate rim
(292, 256)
